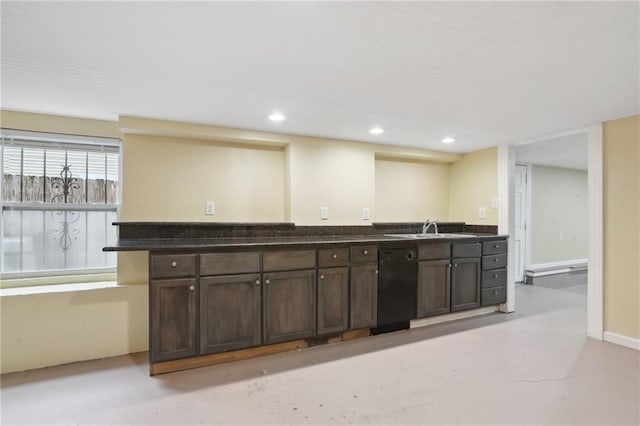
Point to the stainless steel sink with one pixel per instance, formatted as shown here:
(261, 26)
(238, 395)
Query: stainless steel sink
(422, 236)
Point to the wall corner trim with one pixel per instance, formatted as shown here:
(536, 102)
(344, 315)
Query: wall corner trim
(595, 292)
(621, 340)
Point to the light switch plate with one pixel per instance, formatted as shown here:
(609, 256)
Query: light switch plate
(482, 213)
(324, 213)
(494, 202)
(209, 208)
(365, 213)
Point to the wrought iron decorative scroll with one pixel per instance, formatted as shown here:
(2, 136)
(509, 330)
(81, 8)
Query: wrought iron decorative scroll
(65, 233)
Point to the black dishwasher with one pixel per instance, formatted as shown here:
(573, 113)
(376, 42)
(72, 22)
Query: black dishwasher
(397, 288)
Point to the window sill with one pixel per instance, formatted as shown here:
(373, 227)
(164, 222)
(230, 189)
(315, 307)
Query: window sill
(57, 288)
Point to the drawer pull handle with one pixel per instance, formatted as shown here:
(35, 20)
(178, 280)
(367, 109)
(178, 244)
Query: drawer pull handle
(267, 282)
(192, 287)
(174, 264)
(322, 277)
(334, 256)
(365, 252)
(257, 282)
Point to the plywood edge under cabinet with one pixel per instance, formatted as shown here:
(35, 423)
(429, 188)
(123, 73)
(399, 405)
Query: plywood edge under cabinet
(219, 358)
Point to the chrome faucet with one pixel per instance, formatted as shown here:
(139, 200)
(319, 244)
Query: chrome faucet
(428, 223)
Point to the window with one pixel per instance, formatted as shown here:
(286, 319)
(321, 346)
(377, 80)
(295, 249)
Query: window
(60, 195)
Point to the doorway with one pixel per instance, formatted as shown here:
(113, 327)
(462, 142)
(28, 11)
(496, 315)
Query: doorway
(520, 235)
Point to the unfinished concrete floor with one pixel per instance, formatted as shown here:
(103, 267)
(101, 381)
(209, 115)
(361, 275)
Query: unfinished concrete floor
(535, 366)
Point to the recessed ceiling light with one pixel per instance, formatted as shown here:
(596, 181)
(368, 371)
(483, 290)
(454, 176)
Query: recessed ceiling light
(277, 116)
(376, 131)
(448, 139)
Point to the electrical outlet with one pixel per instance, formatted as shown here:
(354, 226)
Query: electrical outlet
(365, 213)
(324, 213)
(482, 213)
(209, 208)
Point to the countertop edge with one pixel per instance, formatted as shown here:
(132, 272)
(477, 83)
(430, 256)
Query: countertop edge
(230, 243)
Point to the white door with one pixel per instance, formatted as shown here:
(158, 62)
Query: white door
(521, 223)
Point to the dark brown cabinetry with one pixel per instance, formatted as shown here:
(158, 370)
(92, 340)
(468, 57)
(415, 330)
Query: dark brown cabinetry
(333, 290)
(333, 300)
(230, 301)
(172, 312)
(434, 284)
(230, 312)
(465, 276)
(235, 298)
(434, 279)
(364, 287)
(289, 305)
(494, 272)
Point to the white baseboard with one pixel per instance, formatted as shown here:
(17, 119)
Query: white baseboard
(621, 340)
(552, 268)
(422, 322)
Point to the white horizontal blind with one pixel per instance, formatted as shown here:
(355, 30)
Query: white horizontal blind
(60, 195)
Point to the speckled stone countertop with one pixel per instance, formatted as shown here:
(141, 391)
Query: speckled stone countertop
(159, 236)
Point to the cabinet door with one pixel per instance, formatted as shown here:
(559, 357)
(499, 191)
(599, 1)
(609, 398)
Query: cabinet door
(333, 300)
(289, 305)
(364, 296)
(229, 312)
(465, 284)
(172, 312)
(434, 287)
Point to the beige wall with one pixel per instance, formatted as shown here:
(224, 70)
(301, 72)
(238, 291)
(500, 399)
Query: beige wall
(621, 169)
(170, 179)
(559, 215)
(40, 330)
(58, 124)
(473, 182)
(407, 191)
(334, 174)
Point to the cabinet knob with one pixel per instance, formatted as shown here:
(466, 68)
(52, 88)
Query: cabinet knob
(496, 246)
(267, 282)
(334, 256)
(495, 292)
(192, 287)
(257, 282)
(322, 277)
(365, 251)
(495, 275)
(455, 265)
(495, 259)
(174, 264)
(376, 272)
(449, 265)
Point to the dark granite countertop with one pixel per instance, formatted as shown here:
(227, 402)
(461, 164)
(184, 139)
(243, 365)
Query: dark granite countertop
(178, 244)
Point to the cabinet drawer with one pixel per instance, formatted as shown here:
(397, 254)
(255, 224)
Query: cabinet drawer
(229, 263)
(494, 278)
(364, 254)
(288, 260)
(434, 251)
(494, 247)
(466, 250)
(173, 265)
(333, 257)
(496, 261)
(493, 296)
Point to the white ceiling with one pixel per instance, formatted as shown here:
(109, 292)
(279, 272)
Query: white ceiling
(487, 73)
(568, 151)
